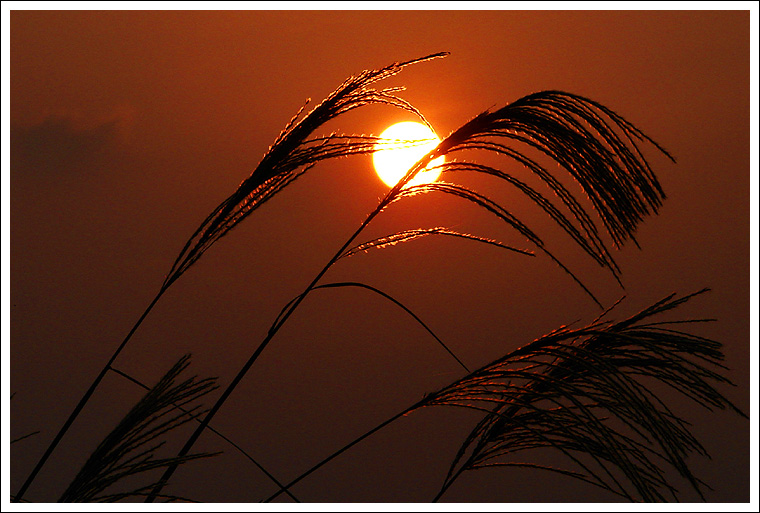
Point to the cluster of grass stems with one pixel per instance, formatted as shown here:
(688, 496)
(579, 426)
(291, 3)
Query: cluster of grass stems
(585, 392)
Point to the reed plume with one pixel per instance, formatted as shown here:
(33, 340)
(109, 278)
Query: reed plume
(592, 393)
(294, 152)
(130, 448)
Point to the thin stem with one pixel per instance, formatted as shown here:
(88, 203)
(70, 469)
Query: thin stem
(340, 451)
(450, 478)
(85, 398)
(24, 437)
(448, 483)
(425, 401)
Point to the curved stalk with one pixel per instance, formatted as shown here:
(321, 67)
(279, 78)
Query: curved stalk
(403, 307)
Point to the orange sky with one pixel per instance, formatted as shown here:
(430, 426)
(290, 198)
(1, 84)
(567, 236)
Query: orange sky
(128, 127)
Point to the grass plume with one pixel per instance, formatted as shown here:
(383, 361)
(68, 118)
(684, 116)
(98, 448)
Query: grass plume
(130, 448)
(591, 393)
(294, 152)
(407, 235)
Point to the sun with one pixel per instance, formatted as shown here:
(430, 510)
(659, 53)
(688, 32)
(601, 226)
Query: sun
(392, 161)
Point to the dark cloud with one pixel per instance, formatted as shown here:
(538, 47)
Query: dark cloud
(58, 144)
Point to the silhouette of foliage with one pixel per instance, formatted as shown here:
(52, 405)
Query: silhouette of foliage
(583, 392)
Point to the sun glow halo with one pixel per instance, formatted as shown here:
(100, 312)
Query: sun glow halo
(392, 161)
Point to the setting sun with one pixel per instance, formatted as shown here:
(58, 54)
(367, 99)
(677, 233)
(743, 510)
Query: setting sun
(392, 161)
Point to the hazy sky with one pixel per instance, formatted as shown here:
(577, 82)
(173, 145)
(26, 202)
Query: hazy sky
(128, 127)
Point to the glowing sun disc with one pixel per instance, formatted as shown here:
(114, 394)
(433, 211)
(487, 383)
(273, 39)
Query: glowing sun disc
(392, 161)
